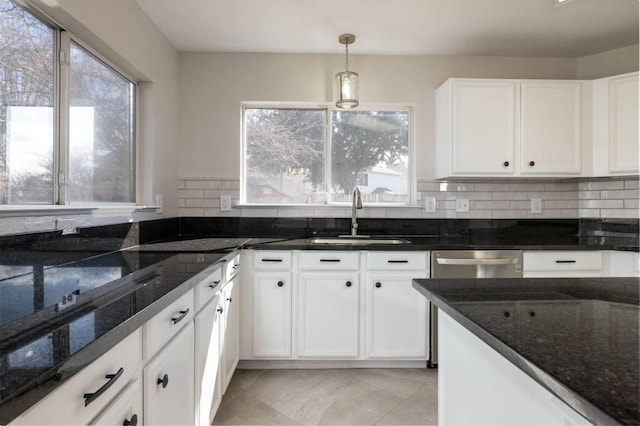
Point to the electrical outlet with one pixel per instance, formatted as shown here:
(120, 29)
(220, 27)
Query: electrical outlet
(68, 226)
(430, 204)
(462, 205)
(159, 203)
(536, 205)
(225, 203)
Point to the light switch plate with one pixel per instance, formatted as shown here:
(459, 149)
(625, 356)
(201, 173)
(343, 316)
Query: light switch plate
(225, 203)
(462, 205)
(430, 204)
(536, 205)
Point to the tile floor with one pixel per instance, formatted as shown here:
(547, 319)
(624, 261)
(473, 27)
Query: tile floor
(331, 397)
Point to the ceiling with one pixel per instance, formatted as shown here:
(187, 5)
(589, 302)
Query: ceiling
(405, 27)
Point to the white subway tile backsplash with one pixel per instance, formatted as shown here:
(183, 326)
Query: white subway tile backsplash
(496, 199)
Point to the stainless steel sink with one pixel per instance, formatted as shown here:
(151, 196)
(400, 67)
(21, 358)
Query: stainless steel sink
(357, 240)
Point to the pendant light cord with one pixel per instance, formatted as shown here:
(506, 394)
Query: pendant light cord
(346, 61)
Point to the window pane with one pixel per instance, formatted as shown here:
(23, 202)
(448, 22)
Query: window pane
(370, 149)
(26, 107)
(100, 131)
(284, 162)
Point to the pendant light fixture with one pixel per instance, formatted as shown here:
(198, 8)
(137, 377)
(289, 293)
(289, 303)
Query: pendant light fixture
(347, 80)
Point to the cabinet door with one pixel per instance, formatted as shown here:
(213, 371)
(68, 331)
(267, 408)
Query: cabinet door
(231, 333)
(169, 384)
(550, 127)
(396, 317)
(328, 314)
(271, 329)
(207, 361)
(484, 132)
(623, 124)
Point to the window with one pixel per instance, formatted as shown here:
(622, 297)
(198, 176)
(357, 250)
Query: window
(66, 126)
(318, 155)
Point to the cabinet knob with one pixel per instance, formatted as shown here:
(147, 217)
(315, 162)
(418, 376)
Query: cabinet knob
(132, 422)
(378, 285)
(164, 381)
(532, 163)
(348, 283)
(280, 283)
(506, 314)
(532, 314)
(506, 164)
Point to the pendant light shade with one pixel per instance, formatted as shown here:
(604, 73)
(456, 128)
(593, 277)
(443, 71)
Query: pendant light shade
(347, 81)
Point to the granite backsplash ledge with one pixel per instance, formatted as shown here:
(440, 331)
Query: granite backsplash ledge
(108, 238)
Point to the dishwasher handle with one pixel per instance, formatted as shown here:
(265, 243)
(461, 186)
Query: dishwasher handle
(494, 261)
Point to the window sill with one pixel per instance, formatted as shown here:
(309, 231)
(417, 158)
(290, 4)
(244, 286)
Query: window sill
(48, 210)
(325, 206)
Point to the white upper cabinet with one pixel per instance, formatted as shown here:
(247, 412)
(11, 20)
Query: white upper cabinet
(615, 125)
(484, 125)
(550, 127)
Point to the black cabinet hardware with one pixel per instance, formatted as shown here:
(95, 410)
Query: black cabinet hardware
(214, 284)
(565, 261)
(532, 314)
(348, 283)
(506, 314)
(397, 261)
(236, 266)
(164, 381)
(230, 299)
(280, 283)
(329, 260)
(506, 164)
(132, 422)
(532, 163)
(271, 260)
(220, 309)
(378, 284)
(90, 397)
(181, 316)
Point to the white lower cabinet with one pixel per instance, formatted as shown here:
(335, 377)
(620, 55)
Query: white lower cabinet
(207, 361)
(396, 316)
(169, 382)
(271, 322)
(328, 314)
(230, 334)
(555, 264)
(126, 410)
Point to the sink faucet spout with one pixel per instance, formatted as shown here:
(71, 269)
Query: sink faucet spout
(356, 203)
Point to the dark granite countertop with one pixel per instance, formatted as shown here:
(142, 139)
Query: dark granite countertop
(581, 342)
(41, 346)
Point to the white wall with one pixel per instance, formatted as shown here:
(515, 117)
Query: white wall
(605, 64)
(212, 86)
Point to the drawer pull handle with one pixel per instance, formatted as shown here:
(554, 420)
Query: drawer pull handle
(214, 284)
(280, 283)
(378, 285)
(270, 260)
(229, 299)
(397, 261)
(329, 260)
(90, 397)
(220, 309)
(565, 261)
(132, 422)
(236, 266)
(164, 381)
(348, 283)
(181, 316)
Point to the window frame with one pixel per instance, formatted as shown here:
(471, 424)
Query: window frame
(329, 108)
(61, 108)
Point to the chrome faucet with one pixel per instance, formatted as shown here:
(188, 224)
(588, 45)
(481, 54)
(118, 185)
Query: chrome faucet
(356, 203)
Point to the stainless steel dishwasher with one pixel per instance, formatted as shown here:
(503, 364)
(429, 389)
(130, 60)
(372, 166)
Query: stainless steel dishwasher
(468, 264)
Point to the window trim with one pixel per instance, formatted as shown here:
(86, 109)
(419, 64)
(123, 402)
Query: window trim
(61, 71)
(329, 107)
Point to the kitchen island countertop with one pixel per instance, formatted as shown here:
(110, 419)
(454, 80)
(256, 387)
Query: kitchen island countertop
(577, 337)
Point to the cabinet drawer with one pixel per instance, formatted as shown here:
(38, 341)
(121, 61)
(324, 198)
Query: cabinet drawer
(397, 261)
(161, 328)
(126, 407)
(330, 260)
(563, 262)
(272, 260)
(68, 404)
(207, 288)
(231, 267)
